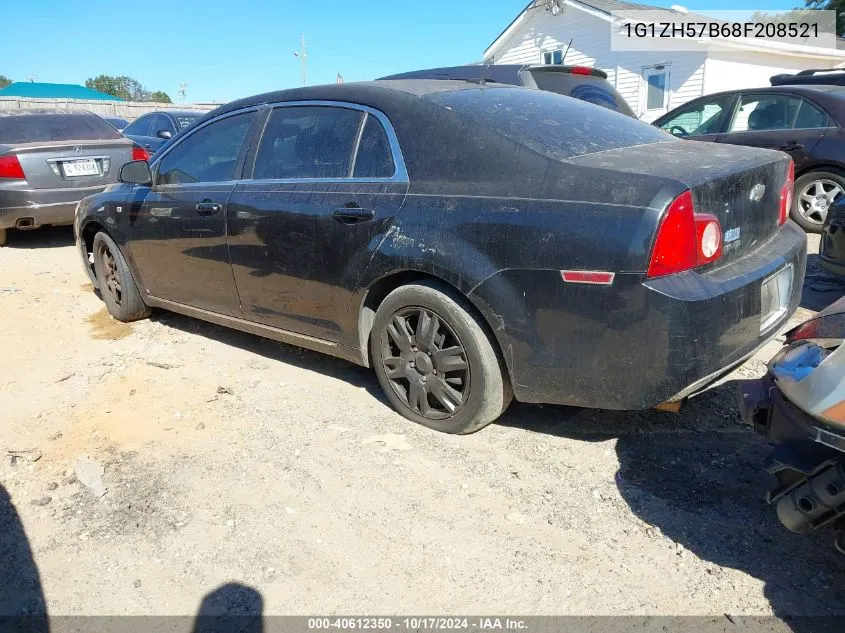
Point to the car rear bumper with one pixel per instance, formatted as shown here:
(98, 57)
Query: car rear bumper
(636, 343)
(42, 206)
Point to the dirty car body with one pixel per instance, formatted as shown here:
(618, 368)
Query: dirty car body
(539, 211)
(800, 407)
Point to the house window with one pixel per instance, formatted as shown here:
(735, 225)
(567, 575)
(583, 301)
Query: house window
(656, 87)
(553, 57)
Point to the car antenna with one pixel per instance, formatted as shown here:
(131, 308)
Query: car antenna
(568, 46)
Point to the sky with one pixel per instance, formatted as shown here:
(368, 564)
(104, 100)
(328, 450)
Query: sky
(229, 49)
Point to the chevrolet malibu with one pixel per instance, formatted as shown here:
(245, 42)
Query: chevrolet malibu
(472, 244)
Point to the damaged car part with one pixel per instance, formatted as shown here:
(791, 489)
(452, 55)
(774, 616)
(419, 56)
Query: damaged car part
(800, 407)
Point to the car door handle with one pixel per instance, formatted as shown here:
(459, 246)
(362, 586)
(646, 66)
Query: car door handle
(206, 207)
(353, 215)
(791, 147)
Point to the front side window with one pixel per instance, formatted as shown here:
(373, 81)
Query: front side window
(207, 155)
(140, 126)
(703, 117)
(308, 142)
(374, 158)
(766, 112)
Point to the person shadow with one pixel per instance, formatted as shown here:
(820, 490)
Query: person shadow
(22, 604)
(697, 479)
(231, 608)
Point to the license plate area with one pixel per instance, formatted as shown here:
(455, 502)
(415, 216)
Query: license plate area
(80, 167)
(775, 294)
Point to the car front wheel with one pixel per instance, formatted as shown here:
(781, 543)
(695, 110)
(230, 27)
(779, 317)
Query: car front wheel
(814, 193)
(435, 362)
(117, 287)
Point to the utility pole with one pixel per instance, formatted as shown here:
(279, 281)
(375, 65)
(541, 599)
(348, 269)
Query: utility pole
(302, 53)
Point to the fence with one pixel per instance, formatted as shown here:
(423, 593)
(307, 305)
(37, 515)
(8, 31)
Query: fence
(129, 110)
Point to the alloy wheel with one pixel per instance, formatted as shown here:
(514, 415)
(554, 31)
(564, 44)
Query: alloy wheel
(815, 199)
(111, 276)
(425, 363)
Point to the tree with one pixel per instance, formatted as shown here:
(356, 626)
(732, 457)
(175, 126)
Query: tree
(160, 97)
(126, 88)
(4, 81)
(830, 5)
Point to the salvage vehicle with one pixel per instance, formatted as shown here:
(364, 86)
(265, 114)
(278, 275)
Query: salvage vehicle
(804, 121)
(800, 407)
(832, 245)
(50, 160)
(568, 254)
(579, 82)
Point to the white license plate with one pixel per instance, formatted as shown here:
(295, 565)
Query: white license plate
(775, 294)
(85, 167)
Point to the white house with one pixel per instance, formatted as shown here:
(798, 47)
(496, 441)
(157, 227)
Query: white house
(577, 32)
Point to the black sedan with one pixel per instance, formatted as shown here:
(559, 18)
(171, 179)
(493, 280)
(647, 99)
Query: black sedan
(471, 243)
(154, 129)
(804, 121)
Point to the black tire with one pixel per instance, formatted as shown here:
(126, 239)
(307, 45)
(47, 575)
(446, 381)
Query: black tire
(409, 374)
(812, 220)
(117, 288)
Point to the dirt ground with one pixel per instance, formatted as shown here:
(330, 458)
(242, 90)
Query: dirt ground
(157, 461)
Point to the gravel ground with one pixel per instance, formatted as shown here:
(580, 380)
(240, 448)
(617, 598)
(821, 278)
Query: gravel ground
(155, 462)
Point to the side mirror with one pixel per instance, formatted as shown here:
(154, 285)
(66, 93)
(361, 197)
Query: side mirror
(165, 134)
(136, 173)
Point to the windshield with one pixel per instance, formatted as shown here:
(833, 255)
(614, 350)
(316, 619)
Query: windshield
(184, 120)
(34, 128)
(553, 125)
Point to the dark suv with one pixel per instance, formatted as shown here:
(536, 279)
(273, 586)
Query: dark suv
(825, 76)
(580, 82)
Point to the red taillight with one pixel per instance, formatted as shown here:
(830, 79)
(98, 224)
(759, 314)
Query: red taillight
(581, 70)
(786, 194)
(10, 167)
(139, 153)
(685, 239)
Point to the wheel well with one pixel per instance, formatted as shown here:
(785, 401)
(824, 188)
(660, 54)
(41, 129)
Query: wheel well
(823, 167)
(384, 286)
(88, 233)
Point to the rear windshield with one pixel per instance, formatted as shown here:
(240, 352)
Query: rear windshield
(592, 90)
(553, 125)
(34, 128)
(184, 120)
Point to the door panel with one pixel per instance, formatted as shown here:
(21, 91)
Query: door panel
(178, 229)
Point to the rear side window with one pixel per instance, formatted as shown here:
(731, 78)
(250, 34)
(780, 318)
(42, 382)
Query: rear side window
(374, 159)
(555, 126)
(184, 121)
(207, 155)
(307, 142)
(809, 117)
(34, 128)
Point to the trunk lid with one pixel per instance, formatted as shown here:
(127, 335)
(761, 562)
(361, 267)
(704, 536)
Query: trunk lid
(68, 164)
(739, 185)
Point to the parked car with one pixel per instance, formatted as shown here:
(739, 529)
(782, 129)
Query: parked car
(832, 246)
(800, 407)
(154, 129)
(50, 160)
(568, 254)
(116, 122)
(827, 76)
(803, 121)
(580, 82)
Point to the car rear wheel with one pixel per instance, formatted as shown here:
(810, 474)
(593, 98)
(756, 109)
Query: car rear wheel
(813, 195)
(435, 362)
(118, 289)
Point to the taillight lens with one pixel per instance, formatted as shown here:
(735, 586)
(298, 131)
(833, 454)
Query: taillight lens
(786, 194)
(139, 153)
(10, 167)
(685, 239)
